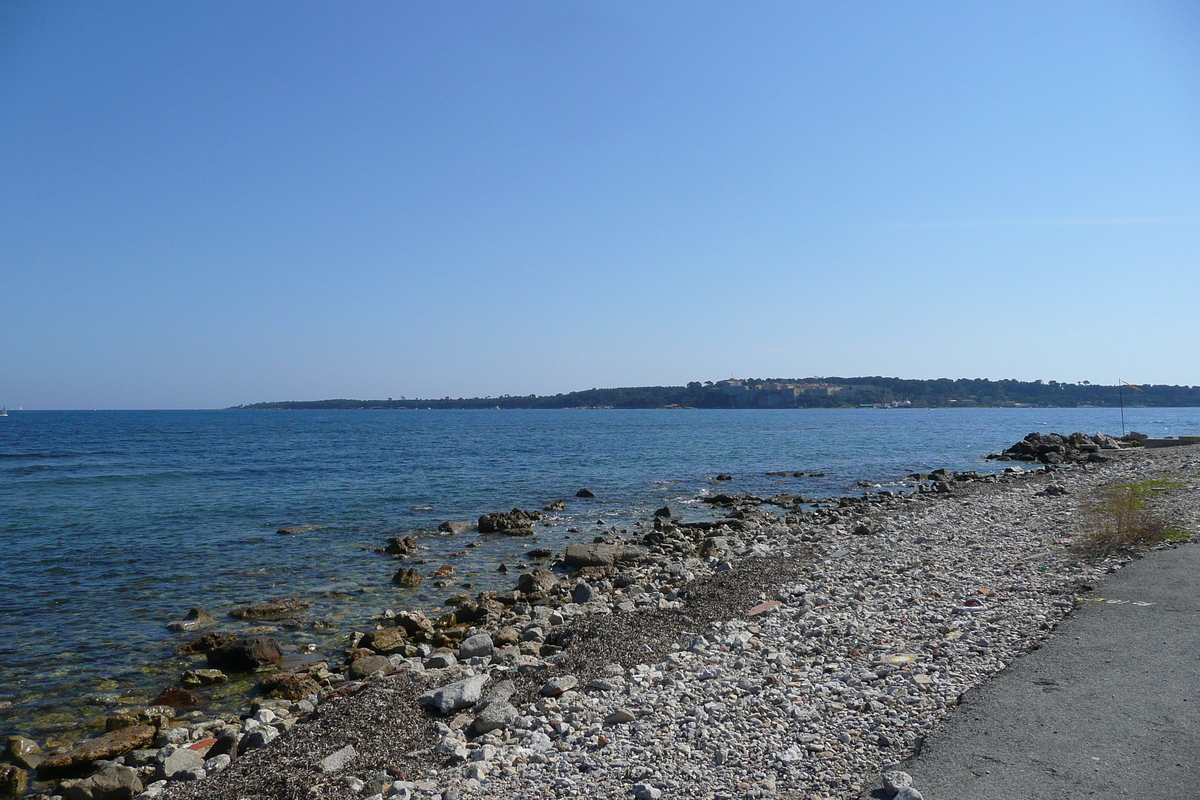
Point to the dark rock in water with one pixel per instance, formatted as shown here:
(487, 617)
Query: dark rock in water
(515, 523)
(723, 477)
(202, 677)
(455, 526)
(407, 577)
(400, 545)
(177, 697)
(722, 499)
(369, 665)
(207, 642)
(13, 780)
(281, 607)
(245, 655)
(540, 552)
(107, 747)
(585, 493)
(289, 685)
(801, 474)
(196, 618)
(289, 530)
(601, 555)
(540, 580)
(502, 569)
(666, 512)
(556, 506)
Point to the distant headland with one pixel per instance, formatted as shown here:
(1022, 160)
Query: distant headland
(866, 392)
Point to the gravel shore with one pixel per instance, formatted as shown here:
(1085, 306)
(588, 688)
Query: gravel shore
(799, 657)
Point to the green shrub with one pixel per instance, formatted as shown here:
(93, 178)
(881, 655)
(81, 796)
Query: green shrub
(1119, 518)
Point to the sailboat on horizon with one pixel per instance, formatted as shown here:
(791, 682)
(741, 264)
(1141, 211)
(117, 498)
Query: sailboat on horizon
(4, 411)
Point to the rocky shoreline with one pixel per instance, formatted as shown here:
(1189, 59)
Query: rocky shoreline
(762, 653)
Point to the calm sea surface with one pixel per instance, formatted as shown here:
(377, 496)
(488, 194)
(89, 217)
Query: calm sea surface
(114, 523)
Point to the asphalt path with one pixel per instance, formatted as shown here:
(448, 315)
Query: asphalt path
(1108, 707)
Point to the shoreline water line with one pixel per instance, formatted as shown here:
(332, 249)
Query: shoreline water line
(661, 588)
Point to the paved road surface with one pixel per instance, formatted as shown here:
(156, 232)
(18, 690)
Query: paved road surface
(1109, 707)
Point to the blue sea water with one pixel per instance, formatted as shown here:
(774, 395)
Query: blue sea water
(114, 523)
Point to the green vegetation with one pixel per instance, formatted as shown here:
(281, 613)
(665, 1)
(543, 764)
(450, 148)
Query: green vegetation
(805, 393)
(1120, 517)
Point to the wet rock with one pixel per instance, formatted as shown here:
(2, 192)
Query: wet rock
(666, 512)
(202, 677)
(23, 752)
(13, 780)
(273, 609)
(585, 493)
(177, 697)
(245, 655)
(539, 552)
(386, 641)
(109, 746)
(452, 697)
(206, 643)
(289, 685)
(515, 522)
(195, 619)
(407, 577)
(556, 506)
(601, 555)
(292, 530)
(455, 526)
(400, 545)
(723, 477)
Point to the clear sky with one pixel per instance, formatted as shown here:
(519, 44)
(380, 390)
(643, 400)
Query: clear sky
(205, 204)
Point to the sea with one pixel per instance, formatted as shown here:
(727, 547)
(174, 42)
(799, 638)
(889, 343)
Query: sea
(113, 523)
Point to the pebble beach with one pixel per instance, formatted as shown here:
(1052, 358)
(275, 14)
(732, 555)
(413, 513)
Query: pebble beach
(771, 653)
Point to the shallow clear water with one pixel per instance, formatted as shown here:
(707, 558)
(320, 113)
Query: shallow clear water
(114, 523)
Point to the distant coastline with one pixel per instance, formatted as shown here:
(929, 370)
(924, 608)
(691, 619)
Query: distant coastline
(869, 392)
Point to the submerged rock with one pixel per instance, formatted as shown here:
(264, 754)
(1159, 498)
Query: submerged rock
(273, 609)
(245, 655)
(196, 618)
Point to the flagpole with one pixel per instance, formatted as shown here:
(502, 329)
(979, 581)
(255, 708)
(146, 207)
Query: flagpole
(1121, 391)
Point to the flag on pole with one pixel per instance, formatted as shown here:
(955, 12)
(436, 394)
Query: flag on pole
(1131, 386)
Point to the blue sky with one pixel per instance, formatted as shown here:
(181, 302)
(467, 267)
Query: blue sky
(205, 204)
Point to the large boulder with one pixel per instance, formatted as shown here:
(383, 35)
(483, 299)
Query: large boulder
(455, 526)
(109, 746)
(517, 522)
(479, 645)
(245, 655)
(110, 782)
(601, 555)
